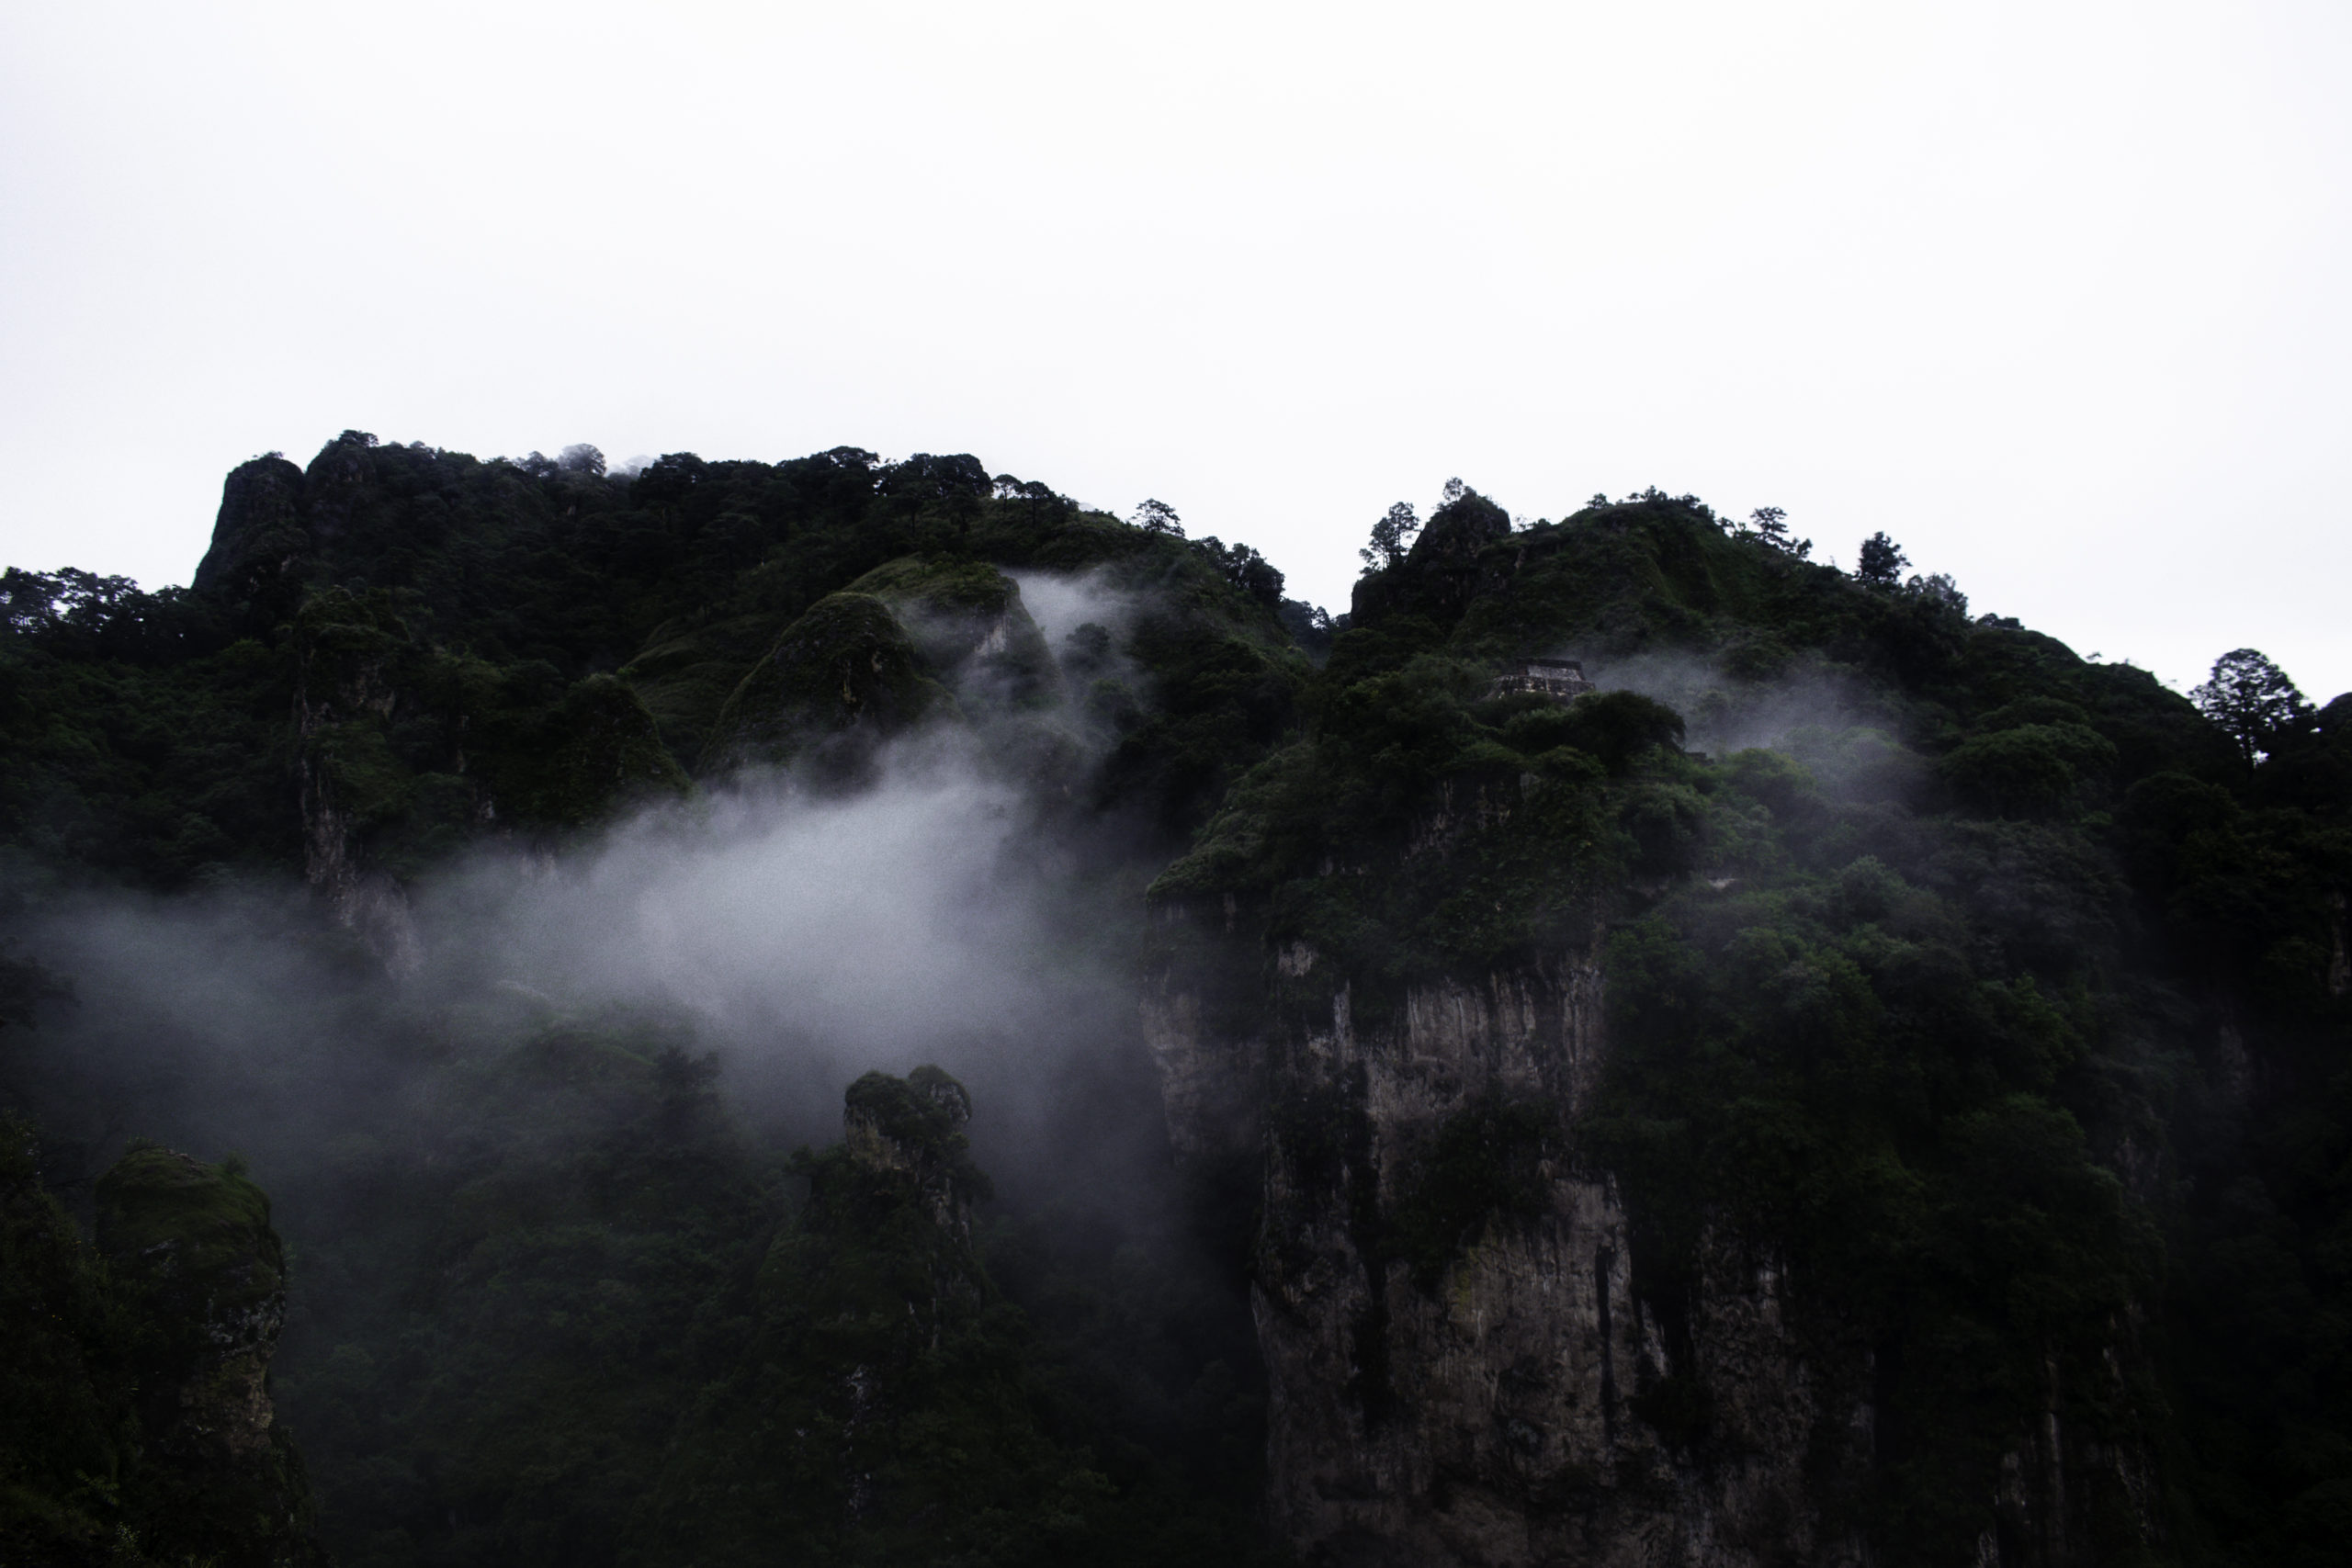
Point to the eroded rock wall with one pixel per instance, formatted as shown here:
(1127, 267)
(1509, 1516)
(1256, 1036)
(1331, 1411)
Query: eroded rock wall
(1509, 1410)
(203, 1276)
(1528, 1396)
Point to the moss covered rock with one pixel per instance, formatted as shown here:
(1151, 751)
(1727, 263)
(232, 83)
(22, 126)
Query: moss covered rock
(192, 1249)
(840, 677)
(595, 749)
(67, 1442)
(136, 1424)
(887, 1406)
(968, 620)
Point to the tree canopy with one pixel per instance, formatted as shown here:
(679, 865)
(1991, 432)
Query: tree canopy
(2253, 702)
(1881, 562)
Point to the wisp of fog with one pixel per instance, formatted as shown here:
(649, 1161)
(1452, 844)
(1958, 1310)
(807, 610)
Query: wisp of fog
(806, 935)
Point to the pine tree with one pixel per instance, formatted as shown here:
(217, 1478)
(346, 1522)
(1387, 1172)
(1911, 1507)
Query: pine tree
(1390, 538)
(1158, 517)
(2253, 702)
(1883, 563)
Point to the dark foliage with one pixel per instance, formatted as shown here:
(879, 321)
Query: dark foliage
(1881, 562)
(127, 1434)
(2001, 1004)
(2254, 703)
(529, 646)
(522, 1296)
(2002, 994)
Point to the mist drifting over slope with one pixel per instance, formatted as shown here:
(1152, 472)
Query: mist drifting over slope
(592, 938)
(947, 911)
(811, 937)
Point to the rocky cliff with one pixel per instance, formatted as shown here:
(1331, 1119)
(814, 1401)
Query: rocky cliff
(1476, 1357)
(1863, 1084)
(1664, 1160)
(1507, 1396)
(1472, 1354)
(140, 1427)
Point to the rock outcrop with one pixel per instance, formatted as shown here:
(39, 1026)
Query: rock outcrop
(345, 688)
(139, 1426)
(911, 1129)
(196, 1239)
(839, 680)
(1521, 1401)
(259, 540)
(1473, 1357)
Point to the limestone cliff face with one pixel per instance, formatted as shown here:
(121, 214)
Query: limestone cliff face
(1527, 1404)
(342, 680)
(136, 1424)
(1520, 1394)
(259, 541)
(205, 1272)
(200, 1242)
(1520, 1421)
(914, 1129)
(267, 528)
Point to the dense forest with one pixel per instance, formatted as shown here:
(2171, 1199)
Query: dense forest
(840, 1010)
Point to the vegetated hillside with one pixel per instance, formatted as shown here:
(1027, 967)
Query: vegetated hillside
(1971, 1016)
(463, 643)
(533, 1247)
(1953, 1093)
(135, 1427)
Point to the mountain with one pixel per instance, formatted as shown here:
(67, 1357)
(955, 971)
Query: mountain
(1862, 1085)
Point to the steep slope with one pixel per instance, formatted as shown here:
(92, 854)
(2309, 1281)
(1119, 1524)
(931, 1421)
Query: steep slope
(470, 648)
(1676, 1159)
(138, 1425)
(534, 1241)
(1865, 1085)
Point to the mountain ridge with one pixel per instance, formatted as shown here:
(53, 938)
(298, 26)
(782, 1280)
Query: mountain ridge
(1803, 1097)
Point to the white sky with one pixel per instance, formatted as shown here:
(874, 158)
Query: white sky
(2055, 293)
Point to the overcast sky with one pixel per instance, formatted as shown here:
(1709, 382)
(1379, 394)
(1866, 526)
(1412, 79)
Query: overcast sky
(2055, 293)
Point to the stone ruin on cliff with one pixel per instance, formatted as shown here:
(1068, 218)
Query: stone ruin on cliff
(1560, 679)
